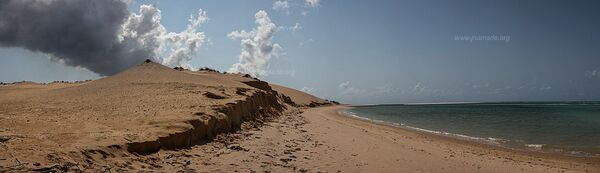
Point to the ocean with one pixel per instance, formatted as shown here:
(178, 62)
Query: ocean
(571, 128)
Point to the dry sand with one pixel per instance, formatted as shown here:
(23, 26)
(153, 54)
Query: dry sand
(77, 126)
(153, 118)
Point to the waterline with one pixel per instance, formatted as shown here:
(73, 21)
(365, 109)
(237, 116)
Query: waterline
(569, 128)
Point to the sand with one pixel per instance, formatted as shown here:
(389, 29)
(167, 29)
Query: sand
(321, 140)
(153, 118)
(148, 108)
(359, 145)
(301, 98)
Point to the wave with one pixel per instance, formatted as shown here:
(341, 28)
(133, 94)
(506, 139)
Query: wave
(490, 140)
(352, 114)
(535, 146)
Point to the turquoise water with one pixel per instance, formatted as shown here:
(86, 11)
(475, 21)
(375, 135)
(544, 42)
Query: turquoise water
(567, 127)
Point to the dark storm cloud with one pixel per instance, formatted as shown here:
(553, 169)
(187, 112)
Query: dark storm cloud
(78, 33)
(84, 33)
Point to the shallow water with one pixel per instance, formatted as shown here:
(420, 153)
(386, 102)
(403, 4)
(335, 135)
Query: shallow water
(571, 128)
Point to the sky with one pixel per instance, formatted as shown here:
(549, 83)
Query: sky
(358, 52)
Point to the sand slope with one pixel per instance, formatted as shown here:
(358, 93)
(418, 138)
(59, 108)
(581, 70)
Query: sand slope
(139, 111)
(299, 97)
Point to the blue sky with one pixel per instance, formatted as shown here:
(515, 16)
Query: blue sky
(391, 51)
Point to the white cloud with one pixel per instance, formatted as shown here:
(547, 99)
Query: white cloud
(296, 27)
(344, 85)
(304, 13)
(281, 6)
(313, 3)
(307, 89)
(257, 46)
(239, 34)
(173, 49)
(348, 89)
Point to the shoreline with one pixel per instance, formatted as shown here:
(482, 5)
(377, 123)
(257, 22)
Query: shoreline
(463, 138)
(445, 149)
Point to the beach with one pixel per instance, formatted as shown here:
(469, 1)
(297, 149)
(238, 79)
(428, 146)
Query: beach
(302, 86)
(322, 140)
(360, 145)
(153, 118)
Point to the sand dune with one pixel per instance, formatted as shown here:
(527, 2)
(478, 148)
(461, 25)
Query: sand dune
(139, 111)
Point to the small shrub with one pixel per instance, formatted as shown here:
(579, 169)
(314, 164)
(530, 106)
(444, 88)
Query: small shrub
(208, 69)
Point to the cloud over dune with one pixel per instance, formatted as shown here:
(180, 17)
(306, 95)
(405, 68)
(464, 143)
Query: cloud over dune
(102, 36)
(144, 30)
(257, 46)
